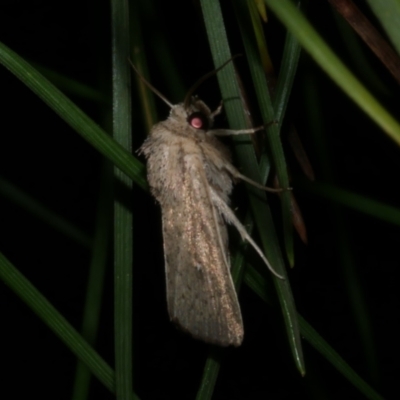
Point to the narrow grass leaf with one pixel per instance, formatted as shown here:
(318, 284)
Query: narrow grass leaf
(388, 13)
(231, 94)
(254, 280)
(56, 322)
(75, 117)
(294, 21)
(123, 221)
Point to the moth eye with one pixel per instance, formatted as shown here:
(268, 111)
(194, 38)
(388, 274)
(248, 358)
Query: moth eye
(198, 120)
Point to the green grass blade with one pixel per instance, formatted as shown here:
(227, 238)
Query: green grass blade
(336, 360)
(146, 96)
(287, 74)
(362, 204)
(341, 228)
(294, 21)
(56, 322)
(355, 292)
(254, 280)
(71, 114)
(388, 13)
(229, 88)
(123, 221)
(210, 374)
(71, 86)
(95, 286)
(359, 56)
(37, 209)
(268, 115)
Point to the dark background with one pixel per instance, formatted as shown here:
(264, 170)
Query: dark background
(42, 156)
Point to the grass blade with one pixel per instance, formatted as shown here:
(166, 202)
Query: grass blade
(71, 114)
(294, 21)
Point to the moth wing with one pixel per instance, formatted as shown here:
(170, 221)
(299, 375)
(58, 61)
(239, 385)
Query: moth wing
(200, 293)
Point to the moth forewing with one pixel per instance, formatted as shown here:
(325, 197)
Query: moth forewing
(191, 176)
(200, 292)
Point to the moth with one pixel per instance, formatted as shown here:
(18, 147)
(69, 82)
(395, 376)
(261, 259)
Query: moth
(190, 174)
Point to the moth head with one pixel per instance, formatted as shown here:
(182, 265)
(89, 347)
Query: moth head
(195, 111)
(198, 115)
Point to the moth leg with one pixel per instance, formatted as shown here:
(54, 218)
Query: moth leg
(258, 185)
(217, 111)
(236, 174)
(230, 217)
(231, 132)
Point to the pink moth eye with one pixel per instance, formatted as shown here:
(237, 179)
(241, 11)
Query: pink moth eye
(198, 120)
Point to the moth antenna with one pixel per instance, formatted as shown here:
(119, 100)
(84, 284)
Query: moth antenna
(204, 78)
(151, 87)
